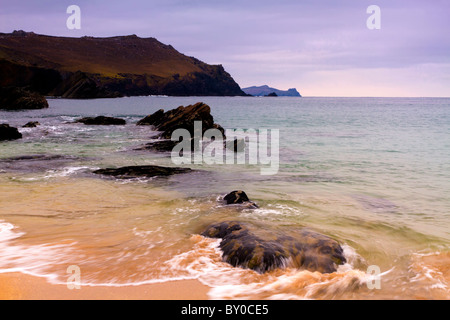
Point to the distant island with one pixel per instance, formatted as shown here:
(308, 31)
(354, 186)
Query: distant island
(90, 67)
(270, 92)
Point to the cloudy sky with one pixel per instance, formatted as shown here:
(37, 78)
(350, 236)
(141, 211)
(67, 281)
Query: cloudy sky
(322, 48)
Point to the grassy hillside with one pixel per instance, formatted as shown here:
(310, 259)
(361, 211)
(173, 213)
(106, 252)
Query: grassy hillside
(126, 65)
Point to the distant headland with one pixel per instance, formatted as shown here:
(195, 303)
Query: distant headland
(268, 91)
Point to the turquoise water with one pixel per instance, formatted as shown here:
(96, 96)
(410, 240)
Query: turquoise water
(373, 173)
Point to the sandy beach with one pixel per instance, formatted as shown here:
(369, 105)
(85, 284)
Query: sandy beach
(18, 286)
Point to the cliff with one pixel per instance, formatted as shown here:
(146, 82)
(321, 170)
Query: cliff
(91, 67)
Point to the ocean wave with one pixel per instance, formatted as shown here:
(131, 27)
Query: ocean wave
(204, 262)
(431, 272)
(67, 171)
(32, 259)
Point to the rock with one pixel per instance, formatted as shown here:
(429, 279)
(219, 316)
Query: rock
(101, 120)
(141, 171)
(236, 145)
(153, 119)
(182, 118)
(273, 94)
(31, 124)
(239, 197)
(15, 98)
(9, 133)
(159, 145)
(257, 248)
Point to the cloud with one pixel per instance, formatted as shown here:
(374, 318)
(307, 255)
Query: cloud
(274, 42)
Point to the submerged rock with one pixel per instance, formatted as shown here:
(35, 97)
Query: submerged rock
(15, 98)
(31, 124)
(36, 162)
(257, 248)
(101, 120)
(162, 145)
(236, 145)
(9, 133)
(141, 171)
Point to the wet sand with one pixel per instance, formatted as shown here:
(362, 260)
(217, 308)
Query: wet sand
(18, 286)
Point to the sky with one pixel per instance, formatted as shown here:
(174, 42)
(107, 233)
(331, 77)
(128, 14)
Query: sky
(322, 48)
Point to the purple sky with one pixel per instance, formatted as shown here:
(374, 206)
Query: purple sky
(323, 48)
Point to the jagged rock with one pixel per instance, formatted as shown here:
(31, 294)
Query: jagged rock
(260, 249)
(141, 171)
(101, 120)
(182, 118)
(31, 124)
(152, 120)
(9, 133)
(14, 98)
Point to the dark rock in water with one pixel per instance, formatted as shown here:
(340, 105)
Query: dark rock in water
(236, 145)
(101, 120)
(239, 197)
(15, 98)
(162, 145)
(141, 171)
(273, 94)
(259, 249)
(38, 157)
(182, 118)
(9, 133)
(31, 124)
(165, 145)
(36, 162)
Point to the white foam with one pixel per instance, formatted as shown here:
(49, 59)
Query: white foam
(32, 259)
(67, 171)
(6, 231)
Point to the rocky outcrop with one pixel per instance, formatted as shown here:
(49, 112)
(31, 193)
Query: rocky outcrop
(14, 98)
(141, 171)
(182, 118)
(9, 133)
(101, 120)
(90, 67)
(258, 248)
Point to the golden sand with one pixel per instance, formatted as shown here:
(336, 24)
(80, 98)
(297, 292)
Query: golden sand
(18, 286)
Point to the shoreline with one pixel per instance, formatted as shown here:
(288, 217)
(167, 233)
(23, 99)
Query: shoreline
(19, 286)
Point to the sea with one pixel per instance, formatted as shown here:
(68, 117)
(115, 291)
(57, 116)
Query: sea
(371, 173)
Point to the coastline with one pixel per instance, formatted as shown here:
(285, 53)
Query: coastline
(19, 286)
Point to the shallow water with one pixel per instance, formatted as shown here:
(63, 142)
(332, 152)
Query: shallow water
(371, 173)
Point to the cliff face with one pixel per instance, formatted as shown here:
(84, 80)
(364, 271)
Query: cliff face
(91, 67)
